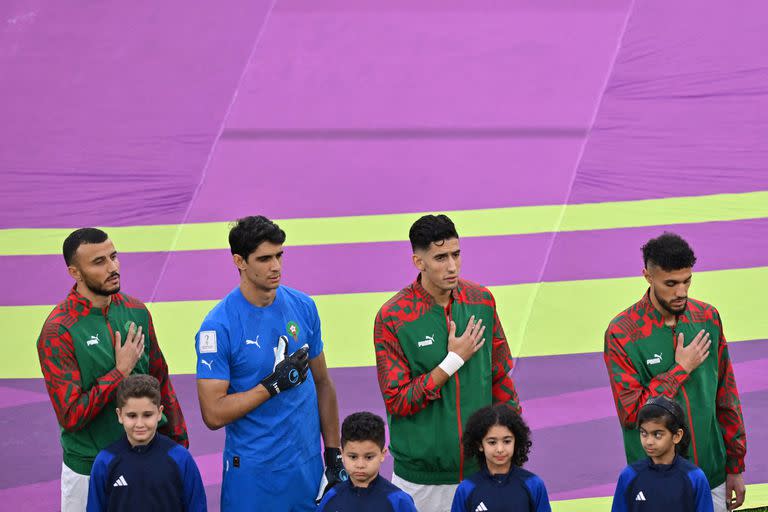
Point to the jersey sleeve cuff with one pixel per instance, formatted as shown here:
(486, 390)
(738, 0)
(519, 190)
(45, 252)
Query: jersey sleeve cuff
(431, 389)
(114, 376)
(679, 374)
(734, 466)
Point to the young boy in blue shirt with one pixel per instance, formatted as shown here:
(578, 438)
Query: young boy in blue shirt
(363, 451)
(144, 470)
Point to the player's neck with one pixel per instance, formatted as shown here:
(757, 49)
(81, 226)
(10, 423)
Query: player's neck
(259, 297)
(442, 297)
(97, 301)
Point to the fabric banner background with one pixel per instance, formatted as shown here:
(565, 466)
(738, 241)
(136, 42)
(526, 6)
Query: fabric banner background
(559, 135)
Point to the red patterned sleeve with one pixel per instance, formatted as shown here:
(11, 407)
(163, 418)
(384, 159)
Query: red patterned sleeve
(501, 362)
(403, 394)
(728, 408)
(74, 406)
(629, 394)
(176, 428)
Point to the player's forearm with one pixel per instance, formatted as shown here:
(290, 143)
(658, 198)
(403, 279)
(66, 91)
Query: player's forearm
(503, 387)
(439, 377)
(76, 409)
(176, 428)
(503, 391)
(329, 413)
(628, 391)
(729, 415)
(222, 410)
(413, 396)
(732, 425)
(403, 395)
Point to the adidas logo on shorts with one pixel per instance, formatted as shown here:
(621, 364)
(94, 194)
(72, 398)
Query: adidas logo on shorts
(120, 482)
(481, 507)
(640, 496)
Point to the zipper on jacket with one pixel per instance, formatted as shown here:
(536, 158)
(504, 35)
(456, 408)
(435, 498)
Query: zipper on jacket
(458, 398)
(688, 407)
(105, 312)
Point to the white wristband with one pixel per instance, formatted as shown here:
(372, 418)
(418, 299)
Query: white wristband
(451, 363)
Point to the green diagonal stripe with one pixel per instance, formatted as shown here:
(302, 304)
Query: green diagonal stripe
(394, 227)
(567, 317)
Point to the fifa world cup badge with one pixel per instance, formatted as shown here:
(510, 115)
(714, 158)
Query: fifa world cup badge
(293, 330)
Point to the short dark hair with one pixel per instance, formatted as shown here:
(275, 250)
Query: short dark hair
(429, 229)
(249, 232)
(481, 422)
(668, 251)
(79, 237)
(671, 415)
(138, 386)
(363, 426)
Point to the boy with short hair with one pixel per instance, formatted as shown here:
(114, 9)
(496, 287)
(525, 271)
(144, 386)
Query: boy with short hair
(363, 451)
(144, 470)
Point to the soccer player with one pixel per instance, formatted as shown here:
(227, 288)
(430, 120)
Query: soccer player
(90, 342)
(256, 352)
(663, 345)
(435, 367)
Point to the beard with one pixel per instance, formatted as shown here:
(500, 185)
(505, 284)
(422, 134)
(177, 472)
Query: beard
(101, 288)
(668, 307)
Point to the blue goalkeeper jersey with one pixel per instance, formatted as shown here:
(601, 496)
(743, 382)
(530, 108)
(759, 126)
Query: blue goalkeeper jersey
(236, 343)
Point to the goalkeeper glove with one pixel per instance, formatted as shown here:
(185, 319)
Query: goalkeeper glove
(334, 471)
(289, 370)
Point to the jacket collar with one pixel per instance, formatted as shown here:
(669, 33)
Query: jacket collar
(663, 467)
(76, 296)
(141, 448)
(427, 297)
(364, 490)
(647, 305)
(501, 478)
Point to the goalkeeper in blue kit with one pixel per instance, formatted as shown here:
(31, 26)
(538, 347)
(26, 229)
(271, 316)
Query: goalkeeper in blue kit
(262, 375)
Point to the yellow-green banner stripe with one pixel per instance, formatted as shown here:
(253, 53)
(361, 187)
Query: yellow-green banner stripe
(394, 227)
(567, 318)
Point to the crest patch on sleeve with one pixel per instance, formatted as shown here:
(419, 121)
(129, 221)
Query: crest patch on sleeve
(207, 342)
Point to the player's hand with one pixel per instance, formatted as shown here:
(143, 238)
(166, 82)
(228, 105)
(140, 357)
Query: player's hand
(289, 370)
(690, 357)
(127, 354)
(734, 484)
(469, 342)
(334, 471)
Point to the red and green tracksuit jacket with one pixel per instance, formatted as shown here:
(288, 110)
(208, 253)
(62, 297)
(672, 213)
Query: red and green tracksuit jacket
(77, 357)
(426, 422)
(640, 357)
